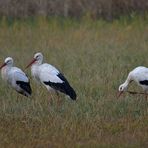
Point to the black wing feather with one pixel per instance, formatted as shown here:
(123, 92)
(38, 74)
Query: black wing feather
(144, 82)
(25, 86)
(63, 87)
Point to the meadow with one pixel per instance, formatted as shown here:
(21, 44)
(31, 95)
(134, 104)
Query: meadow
(95, 57)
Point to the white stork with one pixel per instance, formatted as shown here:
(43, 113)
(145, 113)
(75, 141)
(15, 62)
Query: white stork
(50, 77)
(15, 77)
(140, 76)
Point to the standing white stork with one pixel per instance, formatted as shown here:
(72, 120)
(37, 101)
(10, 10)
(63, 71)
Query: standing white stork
(15, 77)
(140, 76)
(50, 77)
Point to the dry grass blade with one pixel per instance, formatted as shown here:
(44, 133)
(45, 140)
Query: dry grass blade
(95, 57)
(134, 93)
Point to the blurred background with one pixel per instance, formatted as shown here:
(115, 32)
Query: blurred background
(107, 9)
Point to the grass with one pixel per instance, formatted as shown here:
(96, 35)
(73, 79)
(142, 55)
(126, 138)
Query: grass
(96, 58)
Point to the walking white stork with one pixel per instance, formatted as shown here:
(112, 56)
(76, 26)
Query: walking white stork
(140, 76)
(50, 77)
(15, 77)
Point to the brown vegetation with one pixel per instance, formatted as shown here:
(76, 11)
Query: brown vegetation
(95, 57)
(107, 9)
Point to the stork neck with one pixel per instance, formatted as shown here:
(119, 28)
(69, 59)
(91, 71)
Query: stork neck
(126, 83)
(35, 67)
(37, 63)
(4, 72)
(8, 67)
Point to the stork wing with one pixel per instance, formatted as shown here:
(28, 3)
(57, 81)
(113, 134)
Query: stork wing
(49, 73)
(17, 74)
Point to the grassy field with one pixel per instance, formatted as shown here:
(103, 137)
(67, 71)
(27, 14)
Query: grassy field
(96, 58)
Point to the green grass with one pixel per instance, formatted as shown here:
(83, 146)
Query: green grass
(96, 58)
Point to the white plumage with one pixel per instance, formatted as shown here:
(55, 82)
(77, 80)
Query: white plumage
(15, 77)
(140, 76)
(50, 77)
(45, 72)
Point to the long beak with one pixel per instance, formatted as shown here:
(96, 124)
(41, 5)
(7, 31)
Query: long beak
(30, 63)
(119, 94)
(3, 65)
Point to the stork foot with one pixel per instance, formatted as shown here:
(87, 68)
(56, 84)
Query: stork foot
(146, 97)
(58, 99)
(50, 100)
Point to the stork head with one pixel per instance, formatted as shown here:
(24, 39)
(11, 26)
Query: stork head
(122, 88)
(37, 59)
(8, 62)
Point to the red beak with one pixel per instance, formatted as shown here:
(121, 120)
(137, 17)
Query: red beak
(119, 94)
(30, 63)
(3, 65)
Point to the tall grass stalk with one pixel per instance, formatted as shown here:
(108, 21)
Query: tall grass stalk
(96, 58)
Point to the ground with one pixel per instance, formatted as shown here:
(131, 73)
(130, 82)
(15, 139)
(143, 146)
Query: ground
(95, 57)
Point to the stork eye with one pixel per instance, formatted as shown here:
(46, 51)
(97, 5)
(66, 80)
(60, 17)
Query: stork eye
(120, 89)
(8, 61)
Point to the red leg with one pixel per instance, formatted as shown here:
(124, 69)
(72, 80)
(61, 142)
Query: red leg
(146, 96)
(50, 99)
(58, 99)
